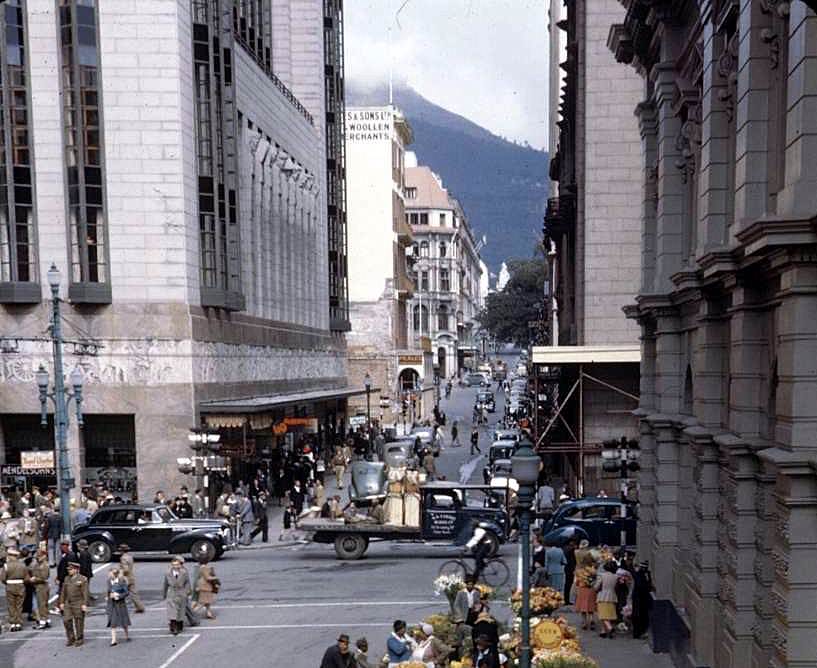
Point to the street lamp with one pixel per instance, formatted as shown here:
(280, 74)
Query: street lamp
(621, 456)
(60, 398)
(203, 442)
(367, 383)
(525, 470)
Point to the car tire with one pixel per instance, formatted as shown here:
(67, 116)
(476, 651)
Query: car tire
(203, 548)
(351, 546)
(494, 544)
(100, 551)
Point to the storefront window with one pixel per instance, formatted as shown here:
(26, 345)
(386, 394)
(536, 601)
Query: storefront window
(109, 442)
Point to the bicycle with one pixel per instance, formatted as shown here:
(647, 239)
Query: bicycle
(495, 573)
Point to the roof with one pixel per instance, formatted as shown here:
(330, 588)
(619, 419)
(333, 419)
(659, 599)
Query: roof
(556, 355)
(265, 402)
(430, 193)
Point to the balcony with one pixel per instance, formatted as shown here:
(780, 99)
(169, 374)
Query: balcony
(560, 215)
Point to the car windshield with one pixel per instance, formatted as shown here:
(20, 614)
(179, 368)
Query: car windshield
(164, 514)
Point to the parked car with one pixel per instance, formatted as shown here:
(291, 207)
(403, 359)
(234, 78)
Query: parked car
(501, 450)
(486, 398)
(475, 380)
(398, 453)
(598, 520)
(368, 481)
(151, 528)
(506, 435)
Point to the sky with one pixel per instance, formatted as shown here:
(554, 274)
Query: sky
(483, 59)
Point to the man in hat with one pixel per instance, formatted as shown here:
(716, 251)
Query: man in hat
(485, 654)
(128, 571)
(338, 656)
(73, 604)
(14, 576)
(86, 564)
(245, 517)
(38, 577)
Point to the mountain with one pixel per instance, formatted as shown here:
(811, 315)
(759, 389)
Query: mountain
(501, 185)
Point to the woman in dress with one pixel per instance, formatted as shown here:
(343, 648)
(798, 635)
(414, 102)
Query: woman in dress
(116, 605)
(176, 592)
(606, 588)
(412, 499)
(585, 592)
(207, 586)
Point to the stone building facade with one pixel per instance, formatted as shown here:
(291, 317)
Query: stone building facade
(178, 181)
(592, 230)
(447, 272)
(728, 317)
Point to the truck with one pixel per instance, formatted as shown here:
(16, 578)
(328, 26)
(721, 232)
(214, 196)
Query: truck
(449, 512)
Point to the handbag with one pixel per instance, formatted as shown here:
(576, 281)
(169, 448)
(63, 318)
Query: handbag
(216, 584)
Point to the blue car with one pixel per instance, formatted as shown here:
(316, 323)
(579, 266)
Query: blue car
(599, 520)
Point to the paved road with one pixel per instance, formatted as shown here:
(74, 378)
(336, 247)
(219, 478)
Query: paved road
(280, 606)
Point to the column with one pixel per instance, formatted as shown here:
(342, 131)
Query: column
(765, 533)
(646, 489)
(648, 127)
(682, 558)
(665, 535)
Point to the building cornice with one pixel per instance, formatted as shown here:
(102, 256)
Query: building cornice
(770, 233)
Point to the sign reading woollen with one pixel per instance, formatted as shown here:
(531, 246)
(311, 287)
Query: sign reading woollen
(368, 125)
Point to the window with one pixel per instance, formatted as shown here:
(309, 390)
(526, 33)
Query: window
(442, 220)
(424, 248)
(445, 281)
(411, 193)
(443, 249)
(413, 218)
(415, 250)
(83, 149)
(424, 281)
(122, 517)
(442, 317)
(418, 326)
(17, 214)
(423, 219)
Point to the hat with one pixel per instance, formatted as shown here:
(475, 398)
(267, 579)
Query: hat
(343, 638)
(82, 543)
(428, 630)
(483, 638)
(584, 544)
(6, 515)
(123, 547)
(73, 564)
(65, 541)
(13, 552)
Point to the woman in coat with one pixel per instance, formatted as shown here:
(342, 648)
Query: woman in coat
(116, 605)
(606, 588)
(176, 592)
(206, 587)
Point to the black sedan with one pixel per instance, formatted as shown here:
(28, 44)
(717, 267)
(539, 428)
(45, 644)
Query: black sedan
(152, 528)
(599, 520)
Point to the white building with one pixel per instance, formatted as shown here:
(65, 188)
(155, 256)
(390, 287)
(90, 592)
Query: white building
(447, 272)
(171, 158)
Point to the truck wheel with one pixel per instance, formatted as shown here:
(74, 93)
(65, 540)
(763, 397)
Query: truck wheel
(351, 546)
(493, 543)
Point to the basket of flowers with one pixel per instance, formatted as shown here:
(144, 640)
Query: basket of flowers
(560, 658)
(485, 591)
(443, 627)
(543, 601)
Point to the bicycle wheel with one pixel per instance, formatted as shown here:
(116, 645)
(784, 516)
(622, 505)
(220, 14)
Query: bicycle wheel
(495, 574)
(453, 567)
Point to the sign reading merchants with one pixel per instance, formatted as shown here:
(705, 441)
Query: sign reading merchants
(363, 125)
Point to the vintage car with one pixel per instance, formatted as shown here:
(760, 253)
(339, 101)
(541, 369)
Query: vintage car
(599, 520)
(151, 528)
(501, 450)
(368, 481)
(486, 398)
(475, 380)
(506, 435)
(449, 512)
(496, 469)
(398, 453)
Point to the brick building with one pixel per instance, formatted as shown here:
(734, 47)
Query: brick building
(728, 315)
(178, 161)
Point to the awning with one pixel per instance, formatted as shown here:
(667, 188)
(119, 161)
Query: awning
(555, 355)
(260, 404)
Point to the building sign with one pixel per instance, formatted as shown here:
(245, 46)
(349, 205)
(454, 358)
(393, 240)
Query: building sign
(357, 420)
(289, 425)
(365, 125)
(410, 360)
(37, 459)
(19, 471)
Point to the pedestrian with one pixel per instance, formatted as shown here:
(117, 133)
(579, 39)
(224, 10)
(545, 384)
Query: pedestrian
(399, 646)
(197, 503)
(338, 656)
(259, 510)
(642, 599)
(245, 517)
(183, 508)
(207, 586)
(38, 576)
(86, 564)
(475, 440)
(485, 653)
(176, 592)
(585, 592)
(545, 498)
(362, 654)
(430, 650)
(54, 531)
(339, 467)
(14, 576)
(465, 603)
(297, 497)
(73, 605)
(66, 556)
(28, 598)
(554, 566)
(570, 569)
(429, 465)
(455, 435)
(116, 605)
(606, 588)
(128, 570)
(320, 470)
(290, 514)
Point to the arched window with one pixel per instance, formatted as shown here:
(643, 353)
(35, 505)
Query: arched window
(443, 249)
(416, 319)
(424, 248)
(442, 317)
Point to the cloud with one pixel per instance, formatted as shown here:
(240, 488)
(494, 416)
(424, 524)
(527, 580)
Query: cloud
(484, 59)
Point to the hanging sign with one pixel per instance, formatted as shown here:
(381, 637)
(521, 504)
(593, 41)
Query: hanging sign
(37, 459)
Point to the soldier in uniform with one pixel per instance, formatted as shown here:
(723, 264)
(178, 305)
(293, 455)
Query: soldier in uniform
(38, 577)
(73, 604)
(127, 567)
(14, 576)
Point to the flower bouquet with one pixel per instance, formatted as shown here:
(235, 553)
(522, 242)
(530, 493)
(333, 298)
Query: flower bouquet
(485, 591)
(543, 601)
(585, 577)
(560, 658)
(448, 585)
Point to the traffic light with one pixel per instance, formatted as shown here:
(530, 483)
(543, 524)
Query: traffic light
(185, 465)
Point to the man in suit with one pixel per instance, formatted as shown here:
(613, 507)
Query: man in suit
(465, 602)
(485, 654)
(86, 564)
(245, 517)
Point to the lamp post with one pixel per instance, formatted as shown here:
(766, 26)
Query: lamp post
(367, 383)
(525, 470)
(621, 456)
(60, 397)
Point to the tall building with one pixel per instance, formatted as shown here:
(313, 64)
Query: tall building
(447, 273)
(592, 228)
(728, 316)
(172, 158)
(380, 287)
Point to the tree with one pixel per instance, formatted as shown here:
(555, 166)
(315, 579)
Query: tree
(508, 313)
